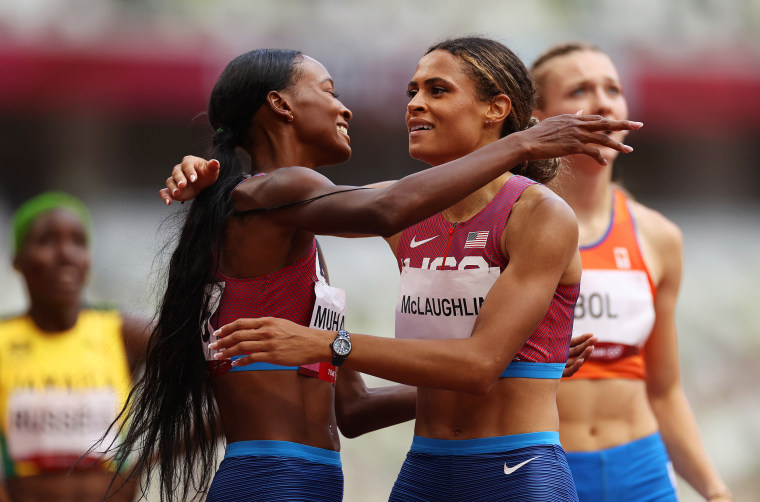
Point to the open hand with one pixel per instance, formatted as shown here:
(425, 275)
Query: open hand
(569, 134)
(189, 178)
(581, 347)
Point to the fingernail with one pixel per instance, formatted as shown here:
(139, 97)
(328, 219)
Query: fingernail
(628, 148)
(217, 332)
(175, 191)
(192, 178)
(218, 355)
(638, 124)
(235, 362)
(213, 345)
(167, 201)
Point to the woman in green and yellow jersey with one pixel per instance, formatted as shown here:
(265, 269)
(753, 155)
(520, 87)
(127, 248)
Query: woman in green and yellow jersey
(65, 368)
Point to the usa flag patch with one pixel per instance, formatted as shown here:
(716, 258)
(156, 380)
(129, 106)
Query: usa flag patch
(476, 239)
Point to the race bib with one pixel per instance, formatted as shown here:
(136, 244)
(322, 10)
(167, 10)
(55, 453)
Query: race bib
(53, 428)
(618, 308)
(438, 304)
(329, 313)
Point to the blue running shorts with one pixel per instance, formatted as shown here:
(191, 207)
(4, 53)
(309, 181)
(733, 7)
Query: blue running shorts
(259, 471)
(639, 471)
(521, 467)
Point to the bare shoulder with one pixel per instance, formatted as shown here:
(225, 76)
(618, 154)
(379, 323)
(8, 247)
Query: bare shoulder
(656, 230)
(283, 185)
(541, 217)
(661, 243)
(539, 205)
(135, 333)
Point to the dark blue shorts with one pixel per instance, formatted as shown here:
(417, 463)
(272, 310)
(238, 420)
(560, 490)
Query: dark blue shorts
(522, 467)
(639, 471)
(264, 471)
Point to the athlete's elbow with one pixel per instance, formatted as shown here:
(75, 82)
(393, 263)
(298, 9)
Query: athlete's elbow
(349, 429)
(345, 418)
(483, 378)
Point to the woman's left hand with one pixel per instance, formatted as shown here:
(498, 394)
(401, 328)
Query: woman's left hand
(272, 340)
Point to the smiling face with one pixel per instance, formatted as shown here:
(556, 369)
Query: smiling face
(55, 258)
(320, 119)
(445, 117)
(583, 80)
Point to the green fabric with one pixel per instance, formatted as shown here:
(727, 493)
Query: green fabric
(29, 211)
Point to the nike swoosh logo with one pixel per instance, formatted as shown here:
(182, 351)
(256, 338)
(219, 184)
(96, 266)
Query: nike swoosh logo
(414, 243)
(510, 470)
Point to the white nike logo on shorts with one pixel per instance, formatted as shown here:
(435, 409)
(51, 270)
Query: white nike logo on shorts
(414, 243)
(510, 470)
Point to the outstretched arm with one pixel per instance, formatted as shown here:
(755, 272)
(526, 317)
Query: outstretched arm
(542, 244)
(413, 197)
(389, 209)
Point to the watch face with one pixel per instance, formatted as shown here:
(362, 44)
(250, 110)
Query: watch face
(341, 346)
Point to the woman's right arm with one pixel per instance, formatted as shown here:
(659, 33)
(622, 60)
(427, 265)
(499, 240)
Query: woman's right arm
(389, 209)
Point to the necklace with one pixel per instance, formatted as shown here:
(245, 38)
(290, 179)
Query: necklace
(469, 214)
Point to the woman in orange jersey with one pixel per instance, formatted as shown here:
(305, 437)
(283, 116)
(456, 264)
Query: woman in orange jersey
(65, 368)
(624, 415)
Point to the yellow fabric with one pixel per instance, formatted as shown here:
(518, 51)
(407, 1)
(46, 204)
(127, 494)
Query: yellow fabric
(89, 358)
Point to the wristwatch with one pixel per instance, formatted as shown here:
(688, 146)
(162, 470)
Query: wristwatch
(341, 347)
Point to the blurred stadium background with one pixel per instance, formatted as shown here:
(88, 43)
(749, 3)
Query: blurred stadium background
(101, 98)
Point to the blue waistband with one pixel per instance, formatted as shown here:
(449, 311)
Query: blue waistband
(633, 449)
(527, 369)
(261, 448)
(483, 445)
(261, 366)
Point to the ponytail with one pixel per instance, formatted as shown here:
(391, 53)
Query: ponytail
(170, 419)
(171, 410)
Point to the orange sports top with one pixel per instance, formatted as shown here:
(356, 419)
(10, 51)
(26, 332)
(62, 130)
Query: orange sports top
(616, 301)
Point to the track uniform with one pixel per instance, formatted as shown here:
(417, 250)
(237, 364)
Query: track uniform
(59, 392)
(616, 304)
(277, 470)
(446, 273)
